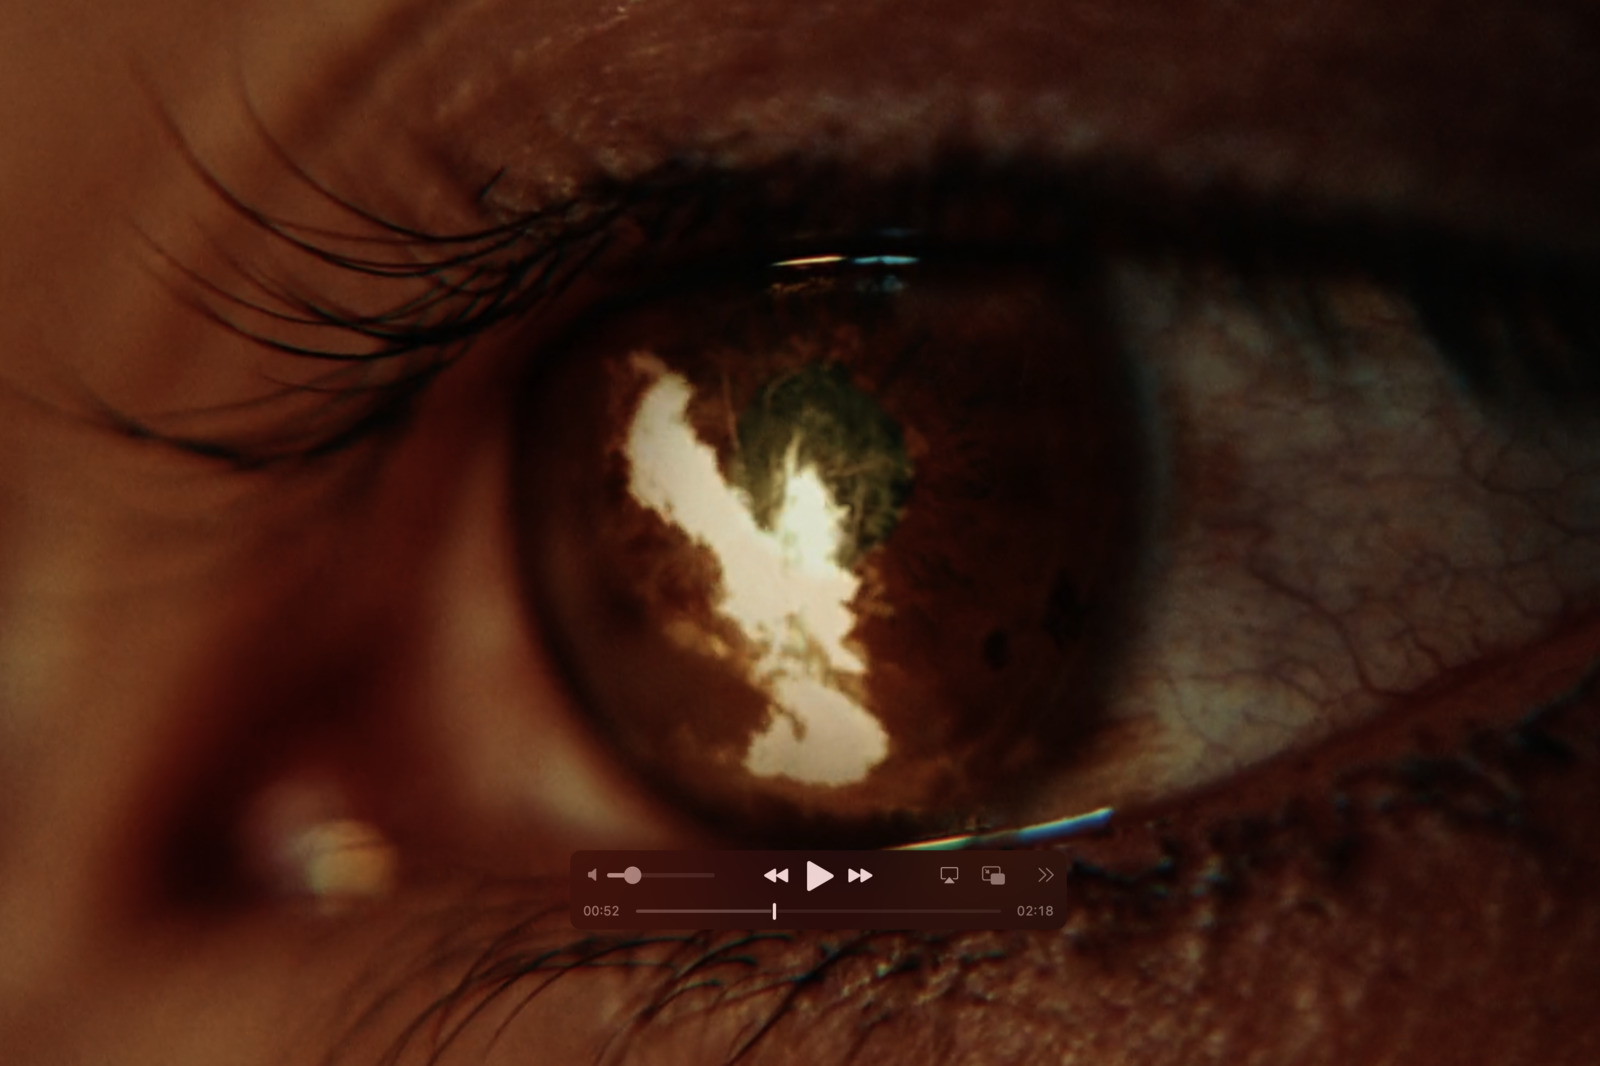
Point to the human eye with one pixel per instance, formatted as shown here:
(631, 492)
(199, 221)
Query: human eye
(1273, 395)
(1369, 559)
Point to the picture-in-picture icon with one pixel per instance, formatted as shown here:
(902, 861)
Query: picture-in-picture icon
(948, 874)
(994, 875)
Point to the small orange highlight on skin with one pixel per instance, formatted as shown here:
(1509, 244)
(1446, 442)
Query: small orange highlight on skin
(783, 587)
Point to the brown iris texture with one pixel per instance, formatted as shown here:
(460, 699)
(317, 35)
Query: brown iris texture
(978, 449)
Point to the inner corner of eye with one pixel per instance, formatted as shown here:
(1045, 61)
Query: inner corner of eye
(837, 562)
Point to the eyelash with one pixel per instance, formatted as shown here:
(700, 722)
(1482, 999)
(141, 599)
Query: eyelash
(1513, 324)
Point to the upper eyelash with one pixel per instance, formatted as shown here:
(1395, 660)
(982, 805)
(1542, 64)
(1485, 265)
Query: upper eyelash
(1504, 317)
(471, 281)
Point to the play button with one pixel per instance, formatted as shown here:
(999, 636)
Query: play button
(816, 875)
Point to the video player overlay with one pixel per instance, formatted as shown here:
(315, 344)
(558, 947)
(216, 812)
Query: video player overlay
(818, 889)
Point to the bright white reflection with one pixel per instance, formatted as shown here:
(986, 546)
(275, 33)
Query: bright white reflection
(783, 588)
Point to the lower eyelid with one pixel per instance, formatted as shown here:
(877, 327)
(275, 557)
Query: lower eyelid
(1166, 919)
(1207, 924)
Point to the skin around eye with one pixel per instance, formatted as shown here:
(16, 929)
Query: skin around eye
(1421, 889)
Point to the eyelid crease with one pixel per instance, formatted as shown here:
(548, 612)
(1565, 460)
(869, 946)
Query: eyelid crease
(1492, 307)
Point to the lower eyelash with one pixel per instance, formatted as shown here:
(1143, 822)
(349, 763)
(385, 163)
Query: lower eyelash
(502, 947)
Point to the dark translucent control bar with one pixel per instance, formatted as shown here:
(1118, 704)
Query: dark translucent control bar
(817, 890)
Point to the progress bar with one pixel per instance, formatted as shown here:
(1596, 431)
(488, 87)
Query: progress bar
(818, 910)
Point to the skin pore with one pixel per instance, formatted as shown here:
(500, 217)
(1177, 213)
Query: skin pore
(183, 639)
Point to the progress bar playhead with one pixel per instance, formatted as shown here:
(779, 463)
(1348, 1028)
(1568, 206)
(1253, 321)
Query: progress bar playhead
(818, 890)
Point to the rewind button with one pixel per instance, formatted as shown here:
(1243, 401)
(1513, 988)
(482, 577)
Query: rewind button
(775, 875)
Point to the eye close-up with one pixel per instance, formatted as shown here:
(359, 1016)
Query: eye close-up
(667, 532)
(929, 538)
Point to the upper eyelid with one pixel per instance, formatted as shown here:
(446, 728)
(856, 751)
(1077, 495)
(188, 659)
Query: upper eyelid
(475, 280)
